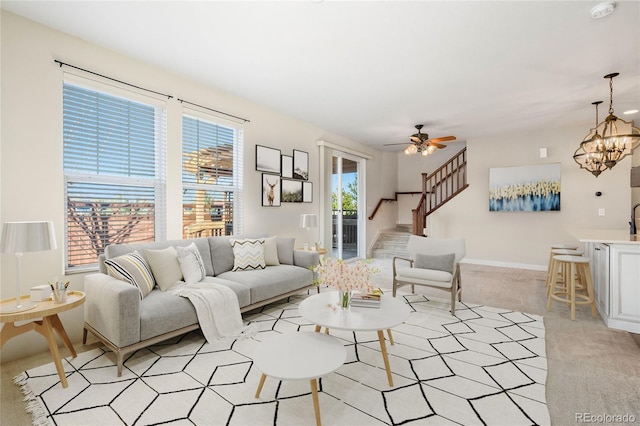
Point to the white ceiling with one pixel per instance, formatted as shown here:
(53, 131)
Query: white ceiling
(370, 71)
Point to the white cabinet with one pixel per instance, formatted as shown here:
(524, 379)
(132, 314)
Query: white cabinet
(599, 254)
(616, 279)
(625, 287)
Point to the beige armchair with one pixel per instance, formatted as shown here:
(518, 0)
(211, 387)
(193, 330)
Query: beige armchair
(433, 262)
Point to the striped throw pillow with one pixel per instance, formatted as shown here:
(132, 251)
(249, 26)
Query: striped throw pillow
(134, 269)
(248, 254)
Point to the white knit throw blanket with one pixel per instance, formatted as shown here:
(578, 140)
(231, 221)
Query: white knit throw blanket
(217, 309)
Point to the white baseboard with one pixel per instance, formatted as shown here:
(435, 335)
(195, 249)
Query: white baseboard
(505, 264)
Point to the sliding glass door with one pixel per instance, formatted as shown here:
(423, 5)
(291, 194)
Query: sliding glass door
(346, 206)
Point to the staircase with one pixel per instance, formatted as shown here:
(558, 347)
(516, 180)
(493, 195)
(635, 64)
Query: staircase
(439, 187)
(392, 242)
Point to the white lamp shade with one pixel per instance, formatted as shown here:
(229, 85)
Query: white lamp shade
(308, 221)
(22, 237)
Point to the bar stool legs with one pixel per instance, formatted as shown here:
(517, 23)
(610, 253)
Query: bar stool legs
(553, 275)
(574, 266)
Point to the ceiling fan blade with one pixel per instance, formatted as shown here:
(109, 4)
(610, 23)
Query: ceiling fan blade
(444, 139)
(416, 139)
(437, 145)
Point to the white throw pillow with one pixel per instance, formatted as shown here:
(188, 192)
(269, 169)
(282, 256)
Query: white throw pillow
(248, 254)
(191, 263)
(165, 266)
(271, 252)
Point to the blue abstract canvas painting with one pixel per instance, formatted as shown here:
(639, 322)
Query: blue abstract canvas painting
(525, 188)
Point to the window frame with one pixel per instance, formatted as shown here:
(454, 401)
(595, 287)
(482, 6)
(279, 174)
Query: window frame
(238, 165)
(158, 182)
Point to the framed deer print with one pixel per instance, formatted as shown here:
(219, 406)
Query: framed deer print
(271, 190)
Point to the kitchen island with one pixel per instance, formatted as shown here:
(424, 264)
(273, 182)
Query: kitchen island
(615, 267)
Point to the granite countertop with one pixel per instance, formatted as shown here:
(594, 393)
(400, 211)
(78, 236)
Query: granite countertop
(607, 236)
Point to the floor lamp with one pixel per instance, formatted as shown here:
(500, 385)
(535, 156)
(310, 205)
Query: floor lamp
(19, 238)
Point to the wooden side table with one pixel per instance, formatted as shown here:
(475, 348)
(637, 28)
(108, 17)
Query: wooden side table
(321, 251)
(48, 311)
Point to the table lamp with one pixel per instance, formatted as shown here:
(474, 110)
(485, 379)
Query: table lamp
(19, 238)
(308, 221)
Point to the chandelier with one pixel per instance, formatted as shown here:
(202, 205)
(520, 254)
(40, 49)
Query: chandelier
(609, 142)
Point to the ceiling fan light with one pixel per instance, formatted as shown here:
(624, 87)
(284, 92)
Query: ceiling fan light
(425, 152)
(411, 149)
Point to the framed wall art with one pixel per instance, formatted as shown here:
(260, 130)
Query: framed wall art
(267, 159)
(270, 190)
(300, 165)
(287, 167)
(525, 188)
(307, 192)
(291, 191)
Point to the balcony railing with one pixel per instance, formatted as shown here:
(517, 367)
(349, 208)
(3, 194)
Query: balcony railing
(349, 228)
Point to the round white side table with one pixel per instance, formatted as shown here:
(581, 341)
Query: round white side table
(299, 356)
(317, 309)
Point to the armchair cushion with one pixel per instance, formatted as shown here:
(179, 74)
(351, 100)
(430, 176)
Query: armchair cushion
(421, 276)
(441, 262)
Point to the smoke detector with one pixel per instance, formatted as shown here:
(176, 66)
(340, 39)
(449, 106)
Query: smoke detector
(603, 9)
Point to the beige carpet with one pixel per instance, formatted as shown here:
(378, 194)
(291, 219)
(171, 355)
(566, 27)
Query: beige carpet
(592, 370)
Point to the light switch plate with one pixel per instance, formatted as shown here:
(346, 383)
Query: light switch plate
(600, 212)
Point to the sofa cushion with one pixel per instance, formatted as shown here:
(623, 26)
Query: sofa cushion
(134, 269)
(242, 291)
(221, 254)
(191, 263)
(438, 262)
(285, 249)
(165, 266)
(163, 312)
(271, 252)
(272, 281)
(248, 253)
(202, 244)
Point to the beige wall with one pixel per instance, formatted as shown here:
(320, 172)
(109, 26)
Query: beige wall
(522, 239)
(31, 178)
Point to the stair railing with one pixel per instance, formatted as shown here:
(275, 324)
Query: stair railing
(439, 187)
(386, 200)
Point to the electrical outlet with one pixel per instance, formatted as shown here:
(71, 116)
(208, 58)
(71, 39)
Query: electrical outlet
(600, 212)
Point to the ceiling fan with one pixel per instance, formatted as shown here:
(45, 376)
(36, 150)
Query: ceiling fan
(420, 143)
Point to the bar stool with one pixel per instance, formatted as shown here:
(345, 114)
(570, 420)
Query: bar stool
(553, 271)
(576, 266)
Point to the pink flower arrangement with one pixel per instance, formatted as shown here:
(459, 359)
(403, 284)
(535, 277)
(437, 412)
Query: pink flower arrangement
(343, 276)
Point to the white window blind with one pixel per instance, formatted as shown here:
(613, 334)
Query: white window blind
(114, 166)
(211, 177)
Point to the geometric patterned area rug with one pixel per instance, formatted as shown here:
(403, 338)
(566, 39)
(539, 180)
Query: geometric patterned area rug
(482, 366)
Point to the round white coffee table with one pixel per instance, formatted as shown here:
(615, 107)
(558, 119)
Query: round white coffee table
(299, 356)
(319, 309)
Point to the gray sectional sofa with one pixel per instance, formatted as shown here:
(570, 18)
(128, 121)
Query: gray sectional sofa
(116, 314)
